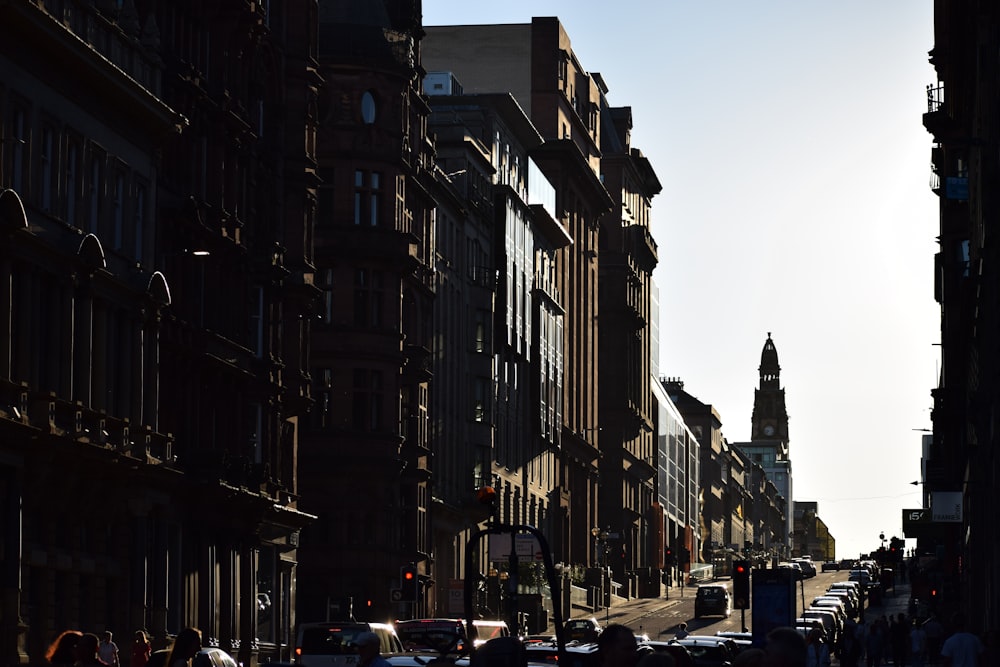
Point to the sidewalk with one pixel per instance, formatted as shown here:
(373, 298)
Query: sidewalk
(896, 601)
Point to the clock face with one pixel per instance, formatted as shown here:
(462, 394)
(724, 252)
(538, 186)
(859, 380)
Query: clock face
(768, 430)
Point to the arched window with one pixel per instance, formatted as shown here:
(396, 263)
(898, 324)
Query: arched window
(368, 108)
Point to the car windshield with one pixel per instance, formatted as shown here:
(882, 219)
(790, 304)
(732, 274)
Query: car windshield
(711, 592)
(428, 634)
(330, 640)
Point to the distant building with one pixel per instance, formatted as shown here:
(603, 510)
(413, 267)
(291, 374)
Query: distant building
(768, 446)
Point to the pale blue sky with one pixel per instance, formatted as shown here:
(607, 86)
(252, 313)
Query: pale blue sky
(788, 139)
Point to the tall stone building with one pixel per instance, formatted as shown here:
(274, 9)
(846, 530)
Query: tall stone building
(536, 64)
(498, 323)
(768, 446)
(958, 549)
(150, 395)
(365, 457)
(628, 503)
(714, 518)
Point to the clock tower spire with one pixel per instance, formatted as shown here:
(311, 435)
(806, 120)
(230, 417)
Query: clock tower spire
(770, 419)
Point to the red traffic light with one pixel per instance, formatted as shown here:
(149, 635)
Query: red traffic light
(740, 568)
(408, 575)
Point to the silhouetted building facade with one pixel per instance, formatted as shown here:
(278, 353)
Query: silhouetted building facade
(151, 395)
(959, 546)
(365, 458)
(536, 64)
(768, 446)
(627, 413)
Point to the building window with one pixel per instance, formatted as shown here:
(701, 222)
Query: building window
(327, 296)
(257, 321)
(19, 144)
(368, 108)
(368, 293)
(94, 184)
(139, 221)
(480, 399)
(72, 185)
(325, 201)
(367, 414)
(47, 155)
(118, 211)
(479, 342)
(367, 192)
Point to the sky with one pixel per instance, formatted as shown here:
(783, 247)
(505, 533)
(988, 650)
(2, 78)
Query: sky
(787, 136)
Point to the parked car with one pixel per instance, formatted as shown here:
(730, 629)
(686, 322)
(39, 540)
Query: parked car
(579, 655)
(709, 651)
(794, 567)
(807, 567)
(680, 654)
(851, 604)
(830, 619)
(331, 643)
(712, 599)
(206, 657)
(582, 629)
(863, 577)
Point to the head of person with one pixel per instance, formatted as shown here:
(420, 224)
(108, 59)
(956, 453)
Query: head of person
(186, 644)
(785, 647)
(617, 646)
(63, 651)
(140, 637)
(656, 659)
(815, 636)
(106, 636)
(750, 657)
(368, 645)
(87, 647)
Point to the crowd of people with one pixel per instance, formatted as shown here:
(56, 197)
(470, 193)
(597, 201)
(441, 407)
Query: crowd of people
(900, 641)
(886, 641)
(75, 648)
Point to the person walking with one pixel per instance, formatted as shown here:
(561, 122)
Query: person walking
(108, 650)
(785, 647)
(617, 646)
(63, 651)
(875, 645)
(899, 634)
(935, 636)
(88, 651)
(918, 645)
(962, 648)
(186, 645)
(817, 650)
(141, 650)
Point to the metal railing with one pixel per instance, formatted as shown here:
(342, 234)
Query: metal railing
(935, 97)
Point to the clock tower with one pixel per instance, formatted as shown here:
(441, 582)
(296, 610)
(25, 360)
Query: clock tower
(770, 419)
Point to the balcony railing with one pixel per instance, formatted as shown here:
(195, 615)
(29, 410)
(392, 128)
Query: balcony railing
(935, 97)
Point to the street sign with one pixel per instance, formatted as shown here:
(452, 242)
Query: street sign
(946, 506)
(525, 546)
(396, 595)
(773, 602)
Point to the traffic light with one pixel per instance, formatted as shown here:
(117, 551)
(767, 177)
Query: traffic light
(669, 557)
(741, 584)
(409, 583)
